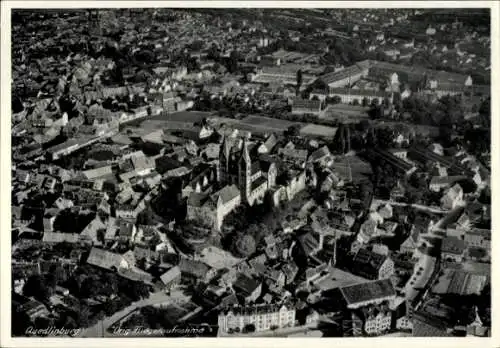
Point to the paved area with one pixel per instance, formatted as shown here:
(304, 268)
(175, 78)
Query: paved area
(100, 329)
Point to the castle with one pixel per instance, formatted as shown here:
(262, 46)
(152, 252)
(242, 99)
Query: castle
(253, 176)
(242, 175)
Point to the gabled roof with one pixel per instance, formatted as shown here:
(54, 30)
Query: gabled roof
(170, 275)
(245, 285)
(368, 291)
(227, 194)
(319, 154)
(194, 268)
(104, 259)
(56, 237)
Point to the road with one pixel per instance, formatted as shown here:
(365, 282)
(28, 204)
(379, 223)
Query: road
(283, 332)
(97, 329)
(378, 202)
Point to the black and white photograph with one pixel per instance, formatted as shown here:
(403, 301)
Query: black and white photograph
(248, 172)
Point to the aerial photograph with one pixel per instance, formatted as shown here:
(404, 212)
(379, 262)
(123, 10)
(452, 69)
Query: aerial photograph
(250, 172)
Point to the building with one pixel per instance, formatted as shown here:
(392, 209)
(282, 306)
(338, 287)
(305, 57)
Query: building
(479, 238)
(306, 106)
(425, 325)
(210, 210)
(256, 318)
(344, 77)
(171, 278)
(247, 288)
(438, 183)
(370, 265)
(349, 95)
(453, 249)
(452, 198)
(107, 260)
(253, 176)
(368, 293)
(377, 320)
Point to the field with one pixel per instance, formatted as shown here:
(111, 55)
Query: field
(253, 123)
(256, 124)
(419, 129)
(345, 113)
(318, 130)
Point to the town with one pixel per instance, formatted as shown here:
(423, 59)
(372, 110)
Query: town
(251, 172)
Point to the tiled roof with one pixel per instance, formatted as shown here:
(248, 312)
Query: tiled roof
(245, 285)
(170, 275)
(228, 193)
(103, 258)
(368, 291)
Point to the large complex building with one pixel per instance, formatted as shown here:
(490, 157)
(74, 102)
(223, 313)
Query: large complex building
(257, 318)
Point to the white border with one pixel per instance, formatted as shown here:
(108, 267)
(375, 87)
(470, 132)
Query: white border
(5, 179)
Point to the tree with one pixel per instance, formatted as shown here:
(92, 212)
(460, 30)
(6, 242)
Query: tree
(244, 245)
(355, 102)
(364, 102)
(336, 99)
(293, 130)
(101, 234)
(249, 328)
(35, 286)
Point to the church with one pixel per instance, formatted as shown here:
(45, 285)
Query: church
(241, 165)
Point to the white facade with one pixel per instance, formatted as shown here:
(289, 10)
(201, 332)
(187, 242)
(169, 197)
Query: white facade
(378, 324)
(262, 319)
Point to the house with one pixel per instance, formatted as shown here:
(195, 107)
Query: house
(412, 242)
(370, 265)
(171, 278)
(126, 212)
(268, 145)
(480, 238)
(308, 244)
(321, 156)
(49, 218)
(452, 198)
(247, 288)
(425, 325)
(453, 249)
(368, 293)
(118, 229)
(437, 149)
(143, 165)
(290, 269)
(275, 278)
(97, 173)
(314, 274)
(377, 320)
(107, 260)
(401, 315)
(259, 317)
(438, 183)
(35, 309)
(57, 237)
(195, 271)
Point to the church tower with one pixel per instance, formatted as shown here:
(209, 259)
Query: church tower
(244, 172)
(223, 166)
